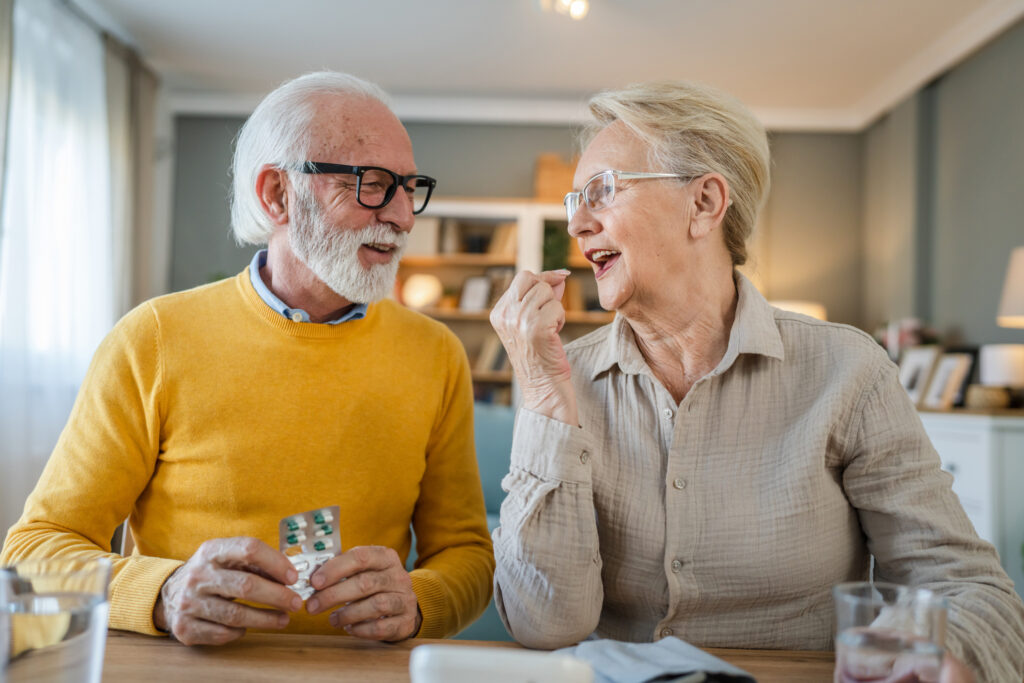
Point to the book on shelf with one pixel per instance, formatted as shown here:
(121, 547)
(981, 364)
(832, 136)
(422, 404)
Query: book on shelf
(424, 238)
(451, 241)
(476, 294)
(490, 354)
(503, 241)
(501, 278)
(572, 298)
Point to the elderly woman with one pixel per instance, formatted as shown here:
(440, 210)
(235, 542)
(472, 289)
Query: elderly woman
(708, 466)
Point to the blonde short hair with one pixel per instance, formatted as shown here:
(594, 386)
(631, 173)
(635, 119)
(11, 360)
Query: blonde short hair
(692, 129)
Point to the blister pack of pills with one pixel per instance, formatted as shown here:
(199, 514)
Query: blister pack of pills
(309, 539)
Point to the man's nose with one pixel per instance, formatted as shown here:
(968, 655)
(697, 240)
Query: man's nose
(398, 211)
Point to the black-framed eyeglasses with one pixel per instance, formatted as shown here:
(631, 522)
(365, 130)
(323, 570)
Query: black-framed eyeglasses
(599, 191)
(375, 186)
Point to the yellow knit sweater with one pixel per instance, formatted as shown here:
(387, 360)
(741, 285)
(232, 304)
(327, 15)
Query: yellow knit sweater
(206, 414)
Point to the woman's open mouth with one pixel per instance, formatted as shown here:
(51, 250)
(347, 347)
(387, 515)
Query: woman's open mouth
(604, 259)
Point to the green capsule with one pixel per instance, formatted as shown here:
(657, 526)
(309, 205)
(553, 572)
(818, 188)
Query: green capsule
(319, 545)
(292, 539)
(292, 525)
(318, 518)
(326, 528)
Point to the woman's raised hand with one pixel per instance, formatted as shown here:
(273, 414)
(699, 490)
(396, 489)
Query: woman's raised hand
(528, 318)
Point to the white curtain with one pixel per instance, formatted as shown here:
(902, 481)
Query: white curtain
(57, 295)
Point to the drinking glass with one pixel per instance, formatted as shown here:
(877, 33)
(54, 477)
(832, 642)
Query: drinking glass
(53, 619)
(887, 633)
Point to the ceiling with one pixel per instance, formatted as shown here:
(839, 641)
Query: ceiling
(799, 64)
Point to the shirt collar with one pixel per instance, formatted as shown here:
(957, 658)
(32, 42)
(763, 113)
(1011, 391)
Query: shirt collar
(294, 314)
(753, 331)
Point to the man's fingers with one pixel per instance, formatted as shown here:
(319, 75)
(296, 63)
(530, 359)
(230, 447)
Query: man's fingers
(390, 628)
(252, 555)
(373, 607)
(360, 586)
(360, 559)
(199, 632)
(231, 583)
(236, 615)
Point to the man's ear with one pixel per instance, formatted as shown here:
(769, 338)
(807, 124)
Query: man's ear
(711, 200)
(272, 190)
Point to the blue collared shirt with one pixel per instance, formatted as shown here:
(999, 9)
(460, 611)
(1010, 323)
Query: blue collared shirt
(294, 314)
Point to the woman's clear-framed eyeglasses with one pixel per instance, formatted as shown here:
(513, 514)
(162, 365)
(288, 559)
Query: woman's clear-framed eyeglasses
(599, 191)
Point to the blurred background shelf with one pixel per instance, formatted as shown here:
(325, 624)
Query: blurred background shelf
(485, 260)
(493, 376)
(470, 250)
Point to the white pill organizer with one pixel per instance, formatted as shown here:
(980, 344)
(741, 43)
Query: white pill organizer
(309, 539)
(469, 664)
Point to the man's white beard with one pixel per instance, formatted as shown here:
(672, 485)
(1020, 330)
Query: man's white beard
(332, 252)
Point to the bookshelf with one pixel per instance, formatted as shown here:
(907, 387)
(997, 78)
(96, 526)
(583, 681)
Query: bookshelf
(473, 248)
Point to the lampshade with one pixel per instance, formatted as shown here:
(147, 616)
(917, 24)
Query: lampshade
(1011, 306)
(811, 308)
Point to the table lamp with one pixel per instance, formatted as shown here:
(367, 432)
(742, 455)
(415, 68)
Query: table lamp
(1011, 306)
(1002, 365)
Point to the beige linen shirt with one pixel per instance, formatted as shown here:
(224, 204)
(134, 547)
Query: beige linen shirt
(727, 518)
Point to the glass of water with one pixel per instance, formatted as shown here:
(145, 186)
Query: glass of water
(53, 619)
(887, 633)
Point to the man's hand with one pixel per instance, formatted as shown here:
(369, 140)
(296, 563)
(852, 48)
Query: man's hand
(197, 602)
(375, 592)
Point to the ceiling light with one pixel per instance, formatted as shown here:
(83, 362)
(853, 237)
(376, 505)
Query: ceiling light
(577, 9)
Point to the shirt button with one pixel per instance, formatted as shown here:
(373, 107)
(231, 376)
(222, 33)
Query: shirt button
(677, 566)
(679, 483)
(667, 413)
(666, 632)
(584, 457)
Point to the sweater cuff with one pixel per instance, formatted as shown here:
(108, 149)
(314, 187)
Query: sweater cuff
(431, 596)
(550, 449)
(133, 593)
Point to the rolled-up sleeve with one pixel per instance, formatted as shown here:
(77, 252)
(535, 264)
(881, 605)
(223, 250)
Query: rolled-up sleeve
(920, 536)
(547, 584)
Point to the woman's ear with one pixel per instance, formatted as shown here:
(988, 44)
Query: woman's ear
(272, 190)
(711, 200)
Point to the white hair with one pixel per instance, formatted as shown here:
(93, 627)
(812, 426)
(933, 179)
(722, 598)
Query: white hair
(278, 132)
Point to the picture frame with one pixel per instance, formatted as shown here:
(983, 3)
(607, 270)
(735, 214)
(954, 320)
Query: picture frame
(916, 366)
(949, 380)
(476, 294)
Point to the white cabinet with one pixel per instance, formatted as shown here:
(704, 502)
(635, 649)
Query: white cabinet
(985, 455)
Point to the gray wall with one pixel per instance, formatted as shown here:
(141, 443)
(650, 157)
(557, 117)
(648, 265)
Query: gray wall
(944, 198)
(811, 226)
(202, 248)
(890, 217)
(979, 189)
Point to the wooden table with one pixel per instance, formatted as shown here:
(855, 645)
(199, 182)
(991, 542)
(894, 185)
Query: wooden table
(283, 657)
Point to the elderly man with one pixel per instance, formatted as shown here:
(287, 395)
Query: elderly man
(209, 415)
